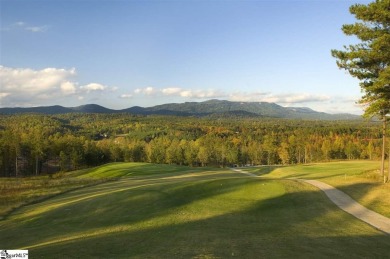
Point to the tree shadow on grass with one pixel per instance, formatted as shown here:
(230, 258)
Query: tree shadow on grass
(359, 190)
(124, 184)
(261, 170)
(310, 176)
(300, 223)
(266, 230)
(116, 204)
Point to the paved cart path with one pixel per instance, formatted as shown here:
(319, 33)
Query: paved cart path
(346, 203)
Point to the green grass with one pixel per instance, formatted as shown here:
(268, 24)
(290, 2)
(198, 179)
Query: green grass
(330, 172)
(177, 212)
(115, 170)
(359, 179)
(16, 192)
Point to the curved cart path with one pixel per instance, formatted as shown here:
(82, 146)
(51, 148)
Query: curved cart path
(346, 203)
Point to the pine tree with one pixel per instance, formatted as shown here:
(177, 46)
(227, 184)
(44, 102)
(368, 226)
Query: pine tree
(369, 60)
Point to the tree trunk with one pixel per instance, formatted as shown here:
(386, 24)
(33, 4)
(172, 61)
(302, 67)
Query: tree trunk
(383, 149)
(299, 156)
(36, 165)
(16, 166)
(388, 169)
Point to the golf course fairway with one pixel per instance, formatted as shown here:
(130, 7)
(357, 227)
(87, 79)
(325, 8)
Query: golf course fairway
(161, 211)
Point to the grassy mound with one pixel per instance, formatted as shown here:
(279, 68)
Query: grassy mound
(16, 192)
(115, 170)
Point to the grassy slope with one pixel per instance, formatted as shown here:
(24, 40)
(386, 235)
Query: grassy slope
(16, 192)
(359, 179)
(183, 213)
(114, 170)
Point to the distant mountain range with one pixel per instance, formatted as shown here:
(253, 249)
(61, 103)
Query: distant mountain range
(207, 108)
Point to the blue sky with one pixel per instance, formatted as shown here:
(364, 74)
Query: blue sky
(125, 53)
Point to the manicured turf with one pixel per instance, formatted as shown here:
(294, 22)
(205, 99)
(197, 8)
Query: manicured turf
(190, 214)
(131, 169)
(359, 179)
(16, 192)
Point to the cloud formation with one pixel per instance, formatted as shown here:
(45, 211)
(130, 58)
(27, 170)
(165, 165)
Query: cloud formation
(146, 91)
(93, 87)
(296, 98)
(37, 28)
(25, 27)
(20, 80)
(22, 87)
(126, 96)
(236, 96)
(180, 92)
(26, 86)
(319, 102)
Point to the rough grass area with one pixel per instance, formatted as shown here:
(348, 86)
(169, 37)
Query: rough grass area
(359, 179)
(16, 192)
(198, 214)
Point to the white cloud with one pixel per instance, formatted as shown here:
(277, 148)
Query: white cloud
(320, 102)
(4, 95)
(23, 26)
(296, 98)
(26, 86)
(171, 91)
(29, 87)
(186, 93)
(68, 88)
(43, 28)
(20, 80)
(147, 91)
(256, 96)
(126, 96)
(93, 87)
(247, 97)
(202, 94)
(285, 99)
(180, 92)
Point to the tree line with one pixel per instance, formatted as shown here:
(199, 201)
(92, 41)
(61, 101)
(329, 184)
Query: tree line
(33, 144)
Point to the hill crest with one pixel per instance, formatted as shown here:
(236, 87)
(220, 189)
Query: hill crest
(212, 107)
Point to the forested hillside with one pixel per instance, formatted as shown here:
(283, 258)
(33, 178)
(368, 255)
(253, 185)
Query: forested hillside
(35, 144)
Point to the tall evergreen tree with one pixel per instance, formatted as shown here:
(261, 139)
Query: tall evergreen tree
(369, 60)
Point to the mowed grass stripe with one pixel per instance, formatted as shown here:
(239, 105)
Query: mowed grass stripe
(115, 170)
(179, 207)
(213, 214)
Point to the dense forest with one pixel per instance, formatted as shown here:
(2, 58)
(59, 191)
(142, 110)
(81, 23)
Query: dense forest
(38, 144)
